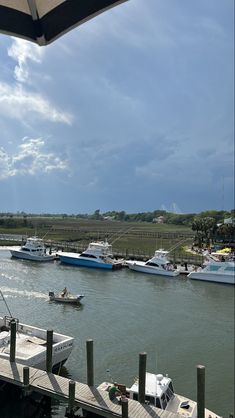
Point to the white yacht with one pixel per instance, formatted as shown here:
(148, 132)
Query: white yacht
(31, 345)
(34, 249)
(215, 271)
(98, 254)
(158, 264)
(159, 392)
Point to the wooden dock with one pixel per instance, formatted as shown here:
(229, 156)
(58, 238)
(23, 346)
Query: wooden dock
(87, 397)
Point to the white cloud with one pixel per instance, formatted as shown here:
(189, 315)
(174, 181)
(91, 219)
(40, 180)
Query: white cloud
(17, 103)
(23, 51)
(31, 158)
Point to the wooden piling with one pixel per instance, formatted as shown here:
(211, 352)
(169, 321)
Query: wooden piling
(200, 391)
(13, 341)
(124, 403)
(26, 376)
(71, 403)
(90, 362)
(49, 351)
(142, 376)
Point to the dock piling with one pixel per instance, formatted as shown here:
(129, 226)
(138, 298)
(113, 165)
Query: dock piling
(201, 391)
(49, 351)
(142, 376)
(13, 342)
(26, 380)
(90, 362)
(70, 409)
(124, 403)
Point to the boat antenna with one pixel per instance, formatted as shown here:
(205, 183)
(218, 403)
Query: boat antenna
(179, 243)
(127, 230)
(110, 377)
(4, 300)
(46, 234)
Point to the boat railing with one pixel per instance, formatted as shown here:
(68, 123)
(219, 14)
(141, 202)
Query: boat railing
(7, 321)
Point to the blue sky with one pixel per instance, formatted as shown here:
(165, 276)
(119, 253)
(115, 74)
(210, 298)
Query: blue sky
(133, 110)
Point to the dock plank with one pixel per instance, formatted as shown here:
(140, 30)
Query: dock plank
(86, 397)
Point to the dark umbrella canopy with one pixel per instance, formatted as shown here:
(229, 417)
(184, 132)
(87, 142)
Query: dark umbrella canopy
(42, 21)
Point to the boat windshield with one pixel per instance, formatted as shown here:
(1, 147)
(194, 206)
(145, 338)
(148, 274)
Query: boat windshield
(150, 263)
(88, 255)
(213, 267)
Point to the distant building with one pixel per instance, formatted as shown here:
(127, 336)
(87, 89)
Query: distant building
(229, 221)
(158, 220)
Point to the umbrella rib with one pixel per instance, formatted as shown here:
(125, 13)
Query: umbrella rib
(38, 26)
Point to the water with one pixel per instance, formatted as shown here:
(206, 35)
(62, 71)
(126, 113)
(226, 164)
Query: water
(179, 323)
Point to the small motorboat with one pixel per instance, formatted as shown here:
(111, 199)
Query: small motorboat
(65, 297)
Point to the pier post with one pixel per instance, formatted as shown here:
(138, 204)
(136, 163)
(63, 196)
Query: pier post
(49, 351)
(142, 376)
(13, 341)
(124, 403)
(90, 363)
(201, 391)
(70, 410)
(26, 380)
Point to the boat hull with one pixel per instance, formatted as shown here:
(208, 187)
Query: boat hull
(31, 347)
(27, 256)
(76, 261)
(208, 277)
(142, 268)
(66, 300)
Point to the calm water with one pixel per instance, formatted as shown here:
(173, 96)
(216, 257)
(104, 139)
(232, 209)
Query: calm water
(178, 322)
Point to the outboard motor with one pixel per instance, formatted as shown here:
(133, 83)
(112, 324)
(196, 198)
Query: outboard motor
(51, 295)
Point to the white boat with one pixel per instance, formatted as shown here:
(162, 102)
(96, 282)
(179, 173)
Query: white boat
(67, 298)
(34, 249)
(158, 264)
(98, 254)
(31, 345)
(215, 271)
(159, 392)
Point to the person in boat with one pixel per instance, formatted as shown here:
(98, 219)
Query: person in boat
(64, 292)
(114, 392)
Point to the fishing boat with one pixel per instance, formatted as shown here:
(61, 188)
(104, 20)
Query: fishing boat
(34, 249)
(215, 271)
(158, 264)
(98, 255)
(159, 392)
(67, 298)
(31, 343)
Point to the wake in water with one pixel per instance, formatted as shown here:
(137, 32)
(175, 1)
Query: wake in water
(15, 293)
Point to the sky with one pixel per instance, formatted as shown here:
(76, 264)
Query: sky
(133, 111)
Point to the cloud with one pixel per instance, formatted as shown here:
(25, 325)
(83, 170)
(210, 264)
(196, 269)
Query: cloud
(18, 103)
(17, 99)
(32, 158)
(23, 52)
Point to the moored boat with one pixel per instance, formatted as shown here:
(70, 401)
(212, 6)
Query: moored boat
(215, 271)
(98, 254)
(34, 249)
(31, 343)
(159, 392)
(158, 264)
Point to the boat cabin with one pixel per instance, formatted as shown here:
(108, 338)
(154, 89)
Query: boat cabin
(158, 390)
